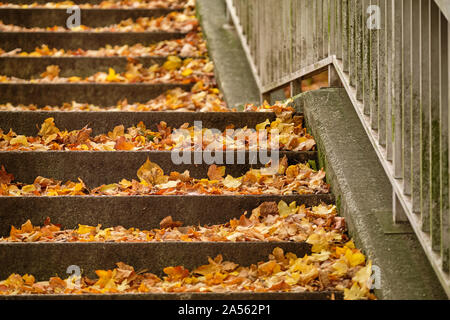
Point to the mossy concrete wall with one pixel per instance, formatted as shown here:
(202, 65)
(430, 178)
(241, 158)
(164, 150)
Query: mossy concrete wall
(364, 197)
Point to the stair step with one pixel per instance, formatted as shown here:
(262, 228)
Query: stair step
(46, 17)
(28, 41)
(27, 122)
(143, 212)
(32, 67)
(44, 260)
(187, 296)
(103, 94)
(104, 167)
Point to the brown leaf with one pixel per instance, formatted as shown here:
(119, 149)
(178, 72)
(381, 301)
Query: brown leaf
(123, 144)
(5, 177)
(168, 222)
(268, 208)
(216, 173)
(83, 135)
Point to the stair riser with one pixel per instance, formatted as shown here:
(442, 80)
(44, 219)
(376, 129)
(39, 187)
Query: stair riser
(32, 67)
(99, 94)
(188, 296)
(143, 212)
(45, 260)
(28, 41)
(27, 123)
(97, 168)
(43, 17)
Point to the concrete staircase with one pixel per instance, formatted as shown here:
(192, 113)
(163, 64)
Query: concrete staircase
(47, 259)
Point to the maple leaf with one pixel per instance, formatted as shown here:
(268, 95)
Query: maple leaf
(215, 172)
(123, 144)
(112, 76)
(151, 173)
(176, 273)
(48, 128)
(19, 140)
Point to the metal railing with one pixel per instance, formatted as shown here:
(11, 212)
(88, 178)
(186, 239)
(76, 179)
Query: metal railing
(392, 58)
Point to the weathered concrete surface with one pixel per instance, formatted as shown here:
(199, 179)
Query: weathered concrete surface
(104, 167)
(232, 69)
(28, 41)
(364, 194)
(44, 260)
(103, 94)
(32, 67)
(45, 17)
(143, 212)
(188, 296)
(28, 122)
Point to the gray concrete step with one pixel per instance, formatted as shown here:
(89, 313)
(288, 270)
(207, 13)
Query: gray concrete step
(102, 94)
(143, 212)
(104, 167)
(46, 17)
(28, 41)
(32, 67)
(28, 122)
(44, 260)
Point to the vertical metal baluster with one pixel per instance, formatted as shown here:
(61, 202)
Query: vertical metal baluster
(382, 75)
(425, 92)
(415, 92)
(373, 33)
(407, 98)
(435, 126)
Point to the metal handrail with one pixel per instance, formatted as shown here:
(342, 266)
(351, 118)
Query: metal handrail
(392, 58)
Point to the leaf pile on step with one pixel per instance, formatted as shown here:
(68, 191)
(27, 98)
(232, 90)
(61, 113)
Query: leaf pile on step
(107, 4)
(192, 45)
(174, 70)
(201, 98)
(272, 179)
(268, 222)
(290, 136)
(173, 22)
(334, 268)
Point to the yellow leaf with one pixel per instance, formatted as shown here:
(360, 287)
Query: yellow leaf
(355, 293)
(362, 277)
(83, 229)
(231, 182)
(109, 188)
(286, 210)
(48, 128)
(112, 76)
(151, 173)
(22, 140)
(74, 79)
(29, 188)
(125, 183)
(262, 126)
(172, 63)
(354, 258)
(186, 72)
